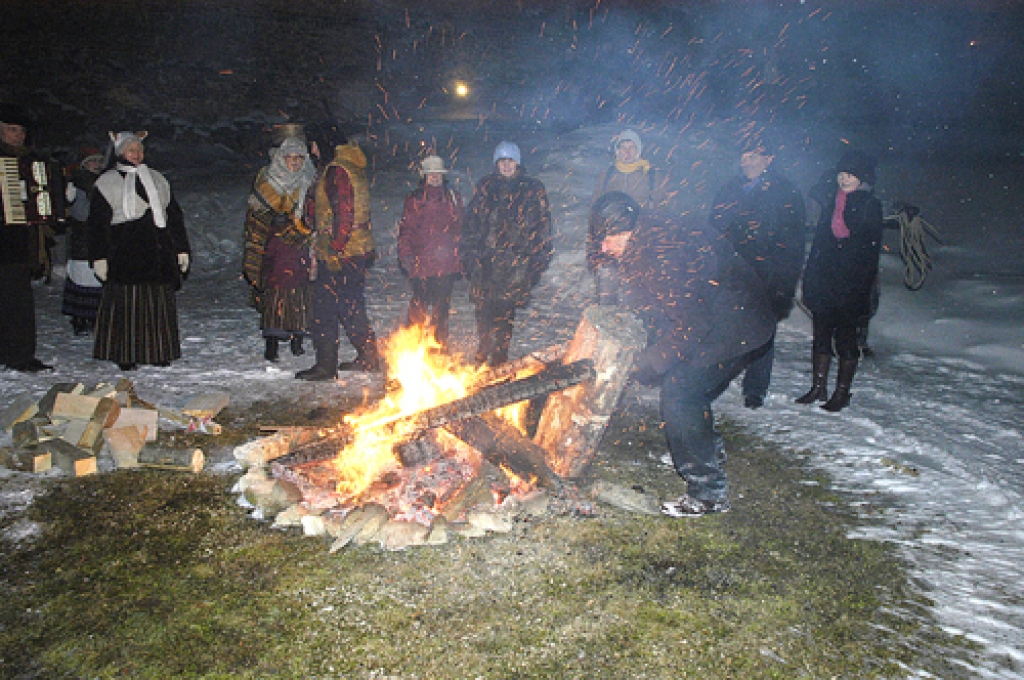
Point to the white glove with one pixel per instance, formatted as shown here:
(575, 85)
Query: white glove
(70, 192)
(183, 262)
(99, 268)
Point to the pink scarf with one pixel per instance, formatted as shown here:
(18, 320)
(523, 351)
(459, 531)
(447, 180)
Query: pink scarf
(839, 228)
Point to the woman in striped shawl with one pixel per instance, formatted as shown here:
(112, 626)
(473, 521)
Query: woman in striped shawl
(277, 262)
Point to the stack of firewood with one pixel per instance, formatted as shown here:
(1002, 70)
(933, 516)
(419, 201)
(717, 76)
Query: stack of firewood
(71, 426)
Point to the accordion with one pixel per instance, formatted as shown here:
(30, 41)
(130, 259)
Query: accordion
(32, 191)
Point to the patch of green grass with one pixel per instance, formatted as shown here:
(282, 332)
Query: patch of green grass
(155, 575)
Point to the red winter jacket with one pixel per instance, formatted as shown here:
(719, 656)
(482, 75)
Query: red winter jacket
(429, 232)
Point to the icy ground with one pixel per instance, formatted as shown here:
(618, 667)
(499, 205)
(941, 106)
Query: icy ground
(932, 440)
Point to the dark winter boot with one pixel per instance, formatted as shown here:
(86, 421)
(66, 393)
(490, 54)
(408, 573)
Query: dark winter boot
(271, 352)
(819, 387)
(841, 397)
(80, 325)
(296, 346)
(367, 361)
(326, 366)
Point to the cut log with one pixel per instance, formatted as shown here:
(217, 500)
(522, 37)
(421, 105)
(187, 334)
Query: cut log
(107, 412)
(125, 443)
(74, 406)
(102, 390)
(140, 417)
(573, 421)
(22, 408)
(49, 399)
(182, 460)
(29, 433)
(503, 445)
(29, 460)
(69, 458)
(536, 361)
(85, 434)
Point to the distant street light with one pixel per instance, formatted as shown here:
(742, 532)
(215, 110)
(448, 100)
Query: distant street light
(461, 89)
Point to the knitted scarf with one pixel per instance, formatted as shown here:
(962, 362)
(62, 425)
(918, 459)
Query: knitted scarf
(839, 228)
(627, 168)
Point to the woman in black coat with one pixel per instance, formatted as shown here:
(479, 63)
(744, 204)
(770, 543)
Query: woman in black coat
(839, 273)
(139, 249)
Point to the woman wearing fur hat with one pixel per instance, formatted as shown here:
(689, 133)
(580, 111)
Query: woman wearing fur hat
(633, 175)
(506, 246)
(840, 271)
(277, 260)
(428, 247)
(139, 249)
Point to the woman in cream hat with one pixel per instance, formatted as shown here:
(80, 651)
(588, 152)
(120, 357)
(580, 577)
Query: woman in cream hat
(428, 247)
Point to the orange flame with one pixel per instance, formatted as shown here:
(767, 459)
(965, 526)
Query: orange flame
(426, 377)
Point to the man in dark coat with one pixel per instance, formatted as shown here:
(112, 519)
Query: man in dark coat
(708, 319)
(506, 246)
(18, 247)
(762, 214)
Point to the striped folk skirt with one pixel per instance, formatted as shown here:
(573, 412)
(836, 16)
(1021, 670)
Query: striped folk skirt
(286, 311)
(79, 301)
(137, 324)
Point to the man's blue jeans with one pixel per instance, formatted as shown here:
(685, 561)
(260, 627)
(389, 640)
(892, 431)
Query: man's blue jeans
(686, 395)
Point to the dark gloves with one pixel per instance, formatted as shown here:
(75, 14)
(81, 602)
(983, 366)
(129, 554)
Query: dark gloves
(782, 305)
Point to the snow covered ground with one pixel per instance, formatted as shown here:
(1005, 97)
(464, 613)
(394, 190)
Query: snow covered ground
(932, 438)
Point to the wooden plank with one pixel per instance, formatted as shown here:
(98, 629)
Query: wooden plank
(142, 417)
(22, 408)
(29, 460)
(75, 406)
(206, 405)
(102, 390)
(69, 458)
(107, 412)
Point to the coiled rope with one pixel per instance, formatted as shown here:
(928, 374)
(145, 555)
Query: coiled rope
(913, 249)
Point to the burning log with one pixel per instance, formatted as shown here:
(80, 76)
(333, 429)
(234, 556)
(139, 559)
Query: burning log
(503, 445)
(541, 359)
(573, 421)
(485, 400)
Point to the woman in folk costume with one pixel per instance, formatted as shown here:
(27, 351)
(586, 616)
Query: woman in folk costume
(82, 290)
(633, 175)
(139, 249)
(277, 258)
(428, 247)
(840, 273)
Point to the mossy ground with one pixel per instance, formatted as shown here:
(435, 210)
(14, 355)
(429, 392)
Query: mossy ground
(160, 575)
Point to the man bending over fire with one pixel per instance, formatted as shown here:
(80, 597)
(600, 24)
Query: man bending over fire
(707, 319)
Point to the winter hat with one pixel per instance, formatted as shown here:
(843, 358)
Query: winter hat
(432, 164)
(858, 164)
(628, 136)
(614, 212)
(122, 140)
(12, 114)
(508, 150)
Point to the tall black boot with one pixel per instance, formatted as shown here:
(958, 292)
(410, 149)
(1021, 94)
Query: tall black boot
(841, 397)
(296, 346)
(367, 361)
(326, 366)
(271, 352)
(820, 364)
